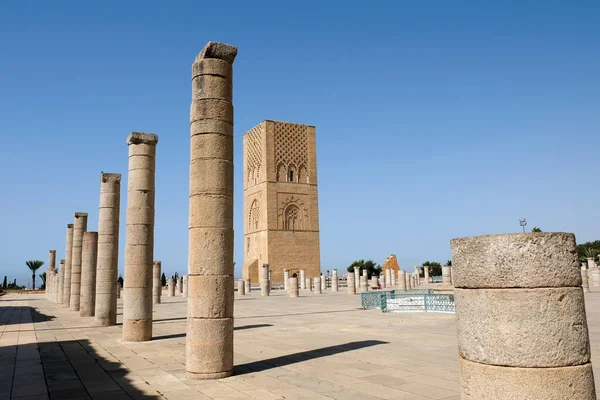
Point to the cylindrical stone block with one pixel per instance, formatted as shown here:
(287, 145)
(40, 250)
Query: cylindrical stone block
(393, 279)
(351, 284)
(79, 226)
(180, 285)
(323, 283)
(89, 256)
(171, 282)
(317, 284)
(408, 277)
(402, 280)
(210, 330)
(264, 280)
(591, 263)
(156, 282)
(185, 286)
(61, 278)
(426, 273)
(388, 278)
(364, 285)
(446, 280)
(334, 281)
(414, 280)
(248, 286)
(584, 280)
(308, 284)
(356, 279)
(107, 263)
(139, 238)
(293, 287)
(522, 332)
(286, 277)
(66, 292)
(241, 288)
(302, 279)
(364, 273)
(50, 271)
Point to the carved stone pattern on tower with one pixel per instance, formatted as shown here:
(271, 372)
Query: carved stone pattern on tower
(292, 215)
(254, 154)
(291, 152)
(253, 216)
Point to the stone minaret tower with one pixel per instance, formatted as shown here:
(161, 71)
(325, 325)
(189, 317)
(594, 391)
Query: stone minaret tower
(281, 217)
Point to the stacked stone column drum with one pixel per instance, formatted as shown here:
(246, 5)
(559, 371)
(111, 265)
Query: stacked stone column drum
(241, 288)
(351, 283)
(388, 278)
(426, 273)
(302, 279)
(156, 282)
(323, 283)
(61, 277)
(139, 238)
(66, 292)
(308, 284)
(209, 344)
(317, 284)
(89, 257)
(402, 280)
(521, 324)
(364, 285)
(286, 277)
(248, 286)
(50, 274)
(79, 227)
(185, 286)
(180, 285)
(334, 281)
(393, 275)
(584, 280)
(264, 280)
(356, 279)
(446, 276)
(293, 287)
(107, 261)
(171, 287)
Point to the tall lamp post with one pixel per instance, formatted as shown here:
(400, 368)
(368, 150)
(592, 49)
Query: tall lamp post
(523, 222)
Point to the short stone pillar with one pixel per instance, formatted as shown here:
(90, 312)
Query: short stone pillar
(351, 285)
(241, 288)
(180, 285)
(382, 280)
(323, 283)
(184, 286)
(156, 282)
(364, 284)
(388, 278)
(61, 278)
(50, 273)
(415, 282)
(264, 280)
(595, 280)
(446, 279)
(334, 281)
(171, 282)
(119, 287)
(402, 280)
(79, 226)
(374, 282)
(66, 291)
(89, 257)
(293, 287)
(393, 276)
(248, 286)
(317, 284)
(139, 237)
(308, 283)
(302, 279)
(591, 263)
(286, 277)
(356, 279)
(365, 273)
(521, 323)
(107, 265)
(426, 273)
(408, 277)
(584, 280)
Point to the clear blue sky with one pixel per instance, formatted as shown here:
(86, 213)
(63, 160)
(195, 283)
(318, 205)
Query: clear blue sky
(434, 119)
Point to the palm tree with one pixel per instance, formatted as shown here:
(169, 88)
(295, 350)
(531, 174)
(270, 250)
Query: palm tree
(34, 265)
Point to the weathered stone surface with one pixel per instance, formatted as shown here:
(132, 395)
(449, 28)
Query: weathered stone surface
(264, 280)
(364, 286)
(487, 382)
(79, 227)
(391, 263)
(241, 288)
(171, 287)
(89, 252)
(334, 281)
(544, 327)
(317, 285)
(156, 282)
(61, 277)
(351, 284)
(525, 260)
(293, 287)
(202, 299)
(66, 294)
(211, 357)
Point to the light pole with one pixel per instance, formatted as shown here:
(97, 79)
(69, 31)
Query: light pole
(523, 222)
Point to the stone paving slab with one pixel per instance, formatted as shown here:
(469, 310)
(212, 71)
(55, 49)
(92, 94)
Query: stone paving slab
(311, 347)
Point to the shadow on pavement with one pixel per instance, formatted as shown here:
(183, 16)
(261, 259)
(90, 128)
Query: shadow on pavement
(237, 328)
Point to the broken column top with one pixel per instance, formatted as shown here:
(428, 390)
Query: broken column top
(52, 251)
(157, 262)
(69, 225)
(110, 177)
(222, 51)
(142, 138)
(81, 214)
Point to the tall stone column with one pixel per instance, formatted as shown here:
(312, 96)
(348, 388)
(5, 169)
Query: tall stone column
(50, 271)
(388, 278)
(334, 281)
(408, 281)
(323, 283)
(89, 257)
(302, 279)
(107, 263)
(584, 280)
(351, 285)
(66, 294)
(171, 287)
(446, 276)
(180, 285)
(402, 280)
(248, 286)
(241, 288)
(364, 285)
(79, 226)
(521, 323)
(54, 284)
(156, 282)
(139, 238)
(61, 279)
(286, 277)
(317, 284)
(426, 273)
(264, 280)
(210, 298)
(293, 287)
(356, 279)
(185, 286)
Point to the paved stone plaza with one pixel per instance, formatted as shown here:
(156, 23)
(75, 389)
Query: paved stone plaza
(312, 347)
